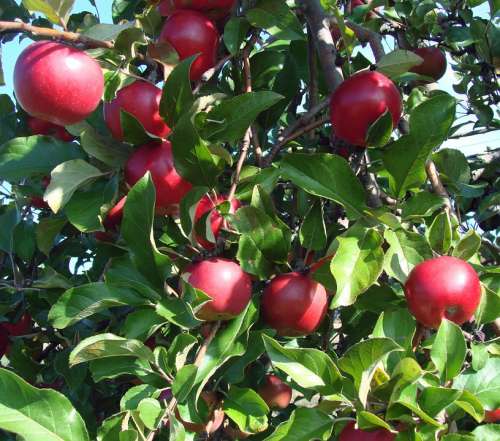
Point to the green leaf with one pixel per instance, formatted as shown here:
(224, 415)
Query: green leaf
(247, 409)
(470, 404)
(188, 206)
(46, 232)
(309, 368)
(21, 158)
(453, 166)
(379, 133)
(8, 220)
(129, 435)
(66, 178)
(184, 382)
(440, 233)
(327, 176)
(313, 230)
(448, 350)
(133, 130)
(398, 62)
(405, 158)
(177, 311)
(150, 412)
(489, 308)
(113, 367)
(370, 421)
(434, 399)
(487, 432)
(131, 399)
(423, 204)
(105, 149)
(357, 263)
(304, 424)
(235, 32)
(136, 229)
(142, 323)
(108, 345)
(38, 414)
(56, 11)
(468, 246)
(229, 120)
(85, 300)
(361, 361)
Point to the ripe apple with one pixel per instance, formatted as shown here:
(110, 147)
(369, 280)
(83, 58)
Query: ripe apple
(444, 287)
(207, 204)
(142, 100)
(350, 433)
(275, 392)
(434, 64)
(213, 9)
(294, 304)
(215, 419)
(114, 215)
(492, 416)
(359, 101)
(37, 201)
(21, 327)
(4, 341)
(57, 83)
(157, 158)
(190, 33)
(225, 282)
(38, 126)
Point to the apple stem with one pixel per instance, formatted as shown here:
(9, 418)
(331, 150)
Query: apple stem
(417, 338)
(203, 349)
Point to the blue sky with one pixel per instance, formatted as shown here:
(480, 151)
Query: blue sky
(469, 145)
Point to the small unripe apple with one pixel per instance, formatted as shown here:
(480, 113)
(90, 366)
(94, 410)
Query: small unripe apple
(157, 158)
(294, 304)
(206, 204)
(350, 433)
(142, 100)
(433, 64)
(225, 282)
(38, 126)
(444, 287)
(190, 33)
(57, 83)
(115, 215)
(215, 419)
(492, 416)
(275, 392)
(359, 101)
(21, 327)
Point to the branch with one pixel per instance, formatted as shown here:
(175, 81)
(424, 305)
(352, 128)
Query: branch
(372, 38)
(203, 349)
(72, 37)
(437, 185)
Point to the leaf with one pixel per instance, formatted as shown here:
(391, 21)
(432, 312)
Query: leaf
(362, 359)
(422, 204)
(489, 307)
(398, 62)
(357, 264)
(46, 232)
(309, 368)
(247, 409)
(405, 158)
(188, 206)
(235, 32)
(38, 414)
(379, 133)
(229, 120)
(133, 130)
(56, 11)
(440, 233)
(9, 219)
(313, 230)
(85, 300)
(327, 176)
(131, 399)
(21, 158)
(468, 245)
(184, 382)
(149, 411)
(453, 166)
(370, 421)
(304, 424)
(108, 345)
(448, 350)
(177, 311)
(106, 150)
(66, 178)
(487, 432)
(470, 404)
(179, 349)
(136, 229)
(434, 399)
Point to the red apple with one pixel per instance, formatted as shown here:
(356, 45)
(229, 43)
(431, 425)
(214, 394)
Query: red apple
(57, 83)
(37, 201)
(434, 64)
(190, 33)
(350, 433)
(359, 101)
(38, 126)
(114, 215)
(492, 416)
(103, 236)
(225, 282)
(275, 392)
(214, 9)
(21, 327)
(142, 100)
(444, 287)
(215, 419)
(294, 304)
(206, 204)
(4, 341)
(157, 158)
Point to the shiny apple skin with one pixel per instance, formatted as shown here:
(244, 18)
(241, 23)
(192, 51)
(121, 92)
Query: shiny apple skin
(225, 282)
(157, 158)
(38, 126)
(350, 433)
(275, 392)
(492, 416)
(434, 64)
(207, 204)
(115, 215)
(57, 83)
(359, 101)
(444, 287)
(215, 10)
(294, 304)
(142, 100)
(190, 33)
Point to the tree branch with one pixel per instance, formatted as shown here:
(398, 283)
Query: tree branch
(437, 185)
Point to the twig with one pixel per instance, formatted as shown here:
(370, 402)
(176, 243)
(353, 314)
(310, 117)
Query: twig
(371, 185)
(311, 126)
(256, 145)
(313, 70)
(208, 75)
(437, 185)
(372, 38)
(203, 349)
(73, 37)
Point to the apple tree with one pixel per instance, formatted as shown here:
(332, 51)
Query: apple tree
(251, 219)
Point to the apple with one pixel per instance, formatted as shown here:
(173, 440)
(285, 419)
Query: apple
(350, 433)
(157, 158)
(294, 304)
(4, 341)
(434, 64)
(115, 215)
(21, 327)
(275, 392)
(38, 126)
(215, 419)
(225, 282)
(214, 9)
(355, 3)
(142, 100)
(57, 83)
(359, 101)
(492, 416)
(206, 204)
(37, 201)
(103, 236)
(444, 287)
(190, 33)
